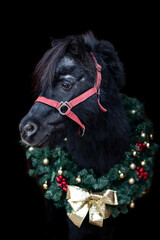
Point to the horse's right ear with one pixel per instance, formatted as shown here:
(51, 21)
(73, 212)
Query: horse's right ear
(76, 47)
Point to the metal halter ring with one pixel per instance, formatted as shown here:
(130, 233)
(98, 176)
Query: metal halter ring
(63, 104)
(81, 134)
(98, 67)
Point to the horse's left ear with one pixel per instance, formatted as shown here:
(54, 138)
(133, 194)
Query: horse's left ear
(111, 60)
(77, 48)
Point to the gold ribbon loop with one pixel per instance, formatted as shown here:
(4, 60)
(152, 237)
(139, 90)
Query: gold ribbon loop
(81, 201)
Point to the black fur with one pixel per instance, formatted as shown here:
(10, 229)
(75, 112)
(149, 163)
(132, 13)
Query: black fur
(107, 134)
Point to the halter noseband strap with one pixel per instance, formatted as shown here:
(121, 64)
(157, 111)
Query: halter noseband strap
(64, 108)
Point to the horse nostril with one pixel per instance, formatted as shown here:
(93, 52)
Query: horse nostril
(30, 128)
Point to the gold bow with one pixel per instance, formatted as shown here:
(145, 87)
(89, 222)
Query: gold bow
(81, 201)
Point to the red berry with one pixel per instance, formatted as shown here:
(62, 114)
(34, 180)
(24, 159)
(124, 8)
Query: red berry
(58, 179)
(141, 169)
(60, 176)
(60, 185)
(64, 189)
(145, 174)
(64, 182)
(137, 168)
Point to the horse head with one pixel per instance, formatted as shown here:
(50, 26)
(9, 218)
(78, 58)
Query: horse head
(66, 71)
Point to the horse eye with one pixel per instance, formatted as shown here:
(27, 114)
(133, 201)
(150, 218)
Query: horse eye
(66, 85)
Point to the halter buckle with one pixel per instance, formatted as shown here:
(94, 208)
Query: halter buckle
(63, 105)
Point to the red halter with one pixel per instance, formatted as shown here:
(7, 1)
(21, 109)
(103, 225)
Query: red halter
(69, 105)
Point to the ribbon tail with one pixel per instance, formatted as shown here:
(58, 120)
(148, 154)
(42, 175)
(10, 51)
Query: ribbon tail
(96, 213)
(77, 217)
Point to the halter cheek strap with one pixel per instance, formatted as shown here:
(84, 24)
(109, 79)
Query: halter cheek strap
(64, 108)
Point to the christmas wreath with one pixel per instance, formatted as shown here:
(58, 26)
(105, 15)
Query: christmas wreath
(80, 191)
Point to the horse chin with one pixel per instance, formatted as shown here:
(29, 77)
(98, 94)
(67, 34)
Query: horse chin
(43, 142)
(38, 143)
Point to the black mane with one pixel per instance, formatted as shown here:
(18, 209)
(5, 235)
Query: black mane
(103, 50)
(45, 69)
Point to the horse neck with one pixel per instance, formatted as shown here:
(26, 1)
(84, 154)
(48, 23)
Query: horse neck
(103, 145)
(92, 152)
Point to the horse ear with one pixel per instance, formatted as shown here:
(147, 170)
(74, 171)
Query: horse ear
(77, 48)
(111, 60)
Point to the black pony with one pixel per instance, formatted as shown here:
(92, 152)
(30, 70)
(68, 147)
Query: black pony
(65, 71)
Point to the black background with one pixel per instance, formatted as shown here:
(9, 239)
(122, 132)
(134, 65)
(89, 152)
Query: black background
(133, 30)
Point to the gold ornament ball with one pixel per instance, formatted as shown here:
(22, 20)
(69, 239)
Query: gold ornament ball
(151, 136)
(45, 161)
(31, 149)
(78, 179)
(60, 171)
(143, 134)
(132, 166)
(134, 153)
(144, 192)
(122, 175)
(45, 186)
(133, 111)
(131, 180)
(132, 204)
(143, 163)
(148, 145)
